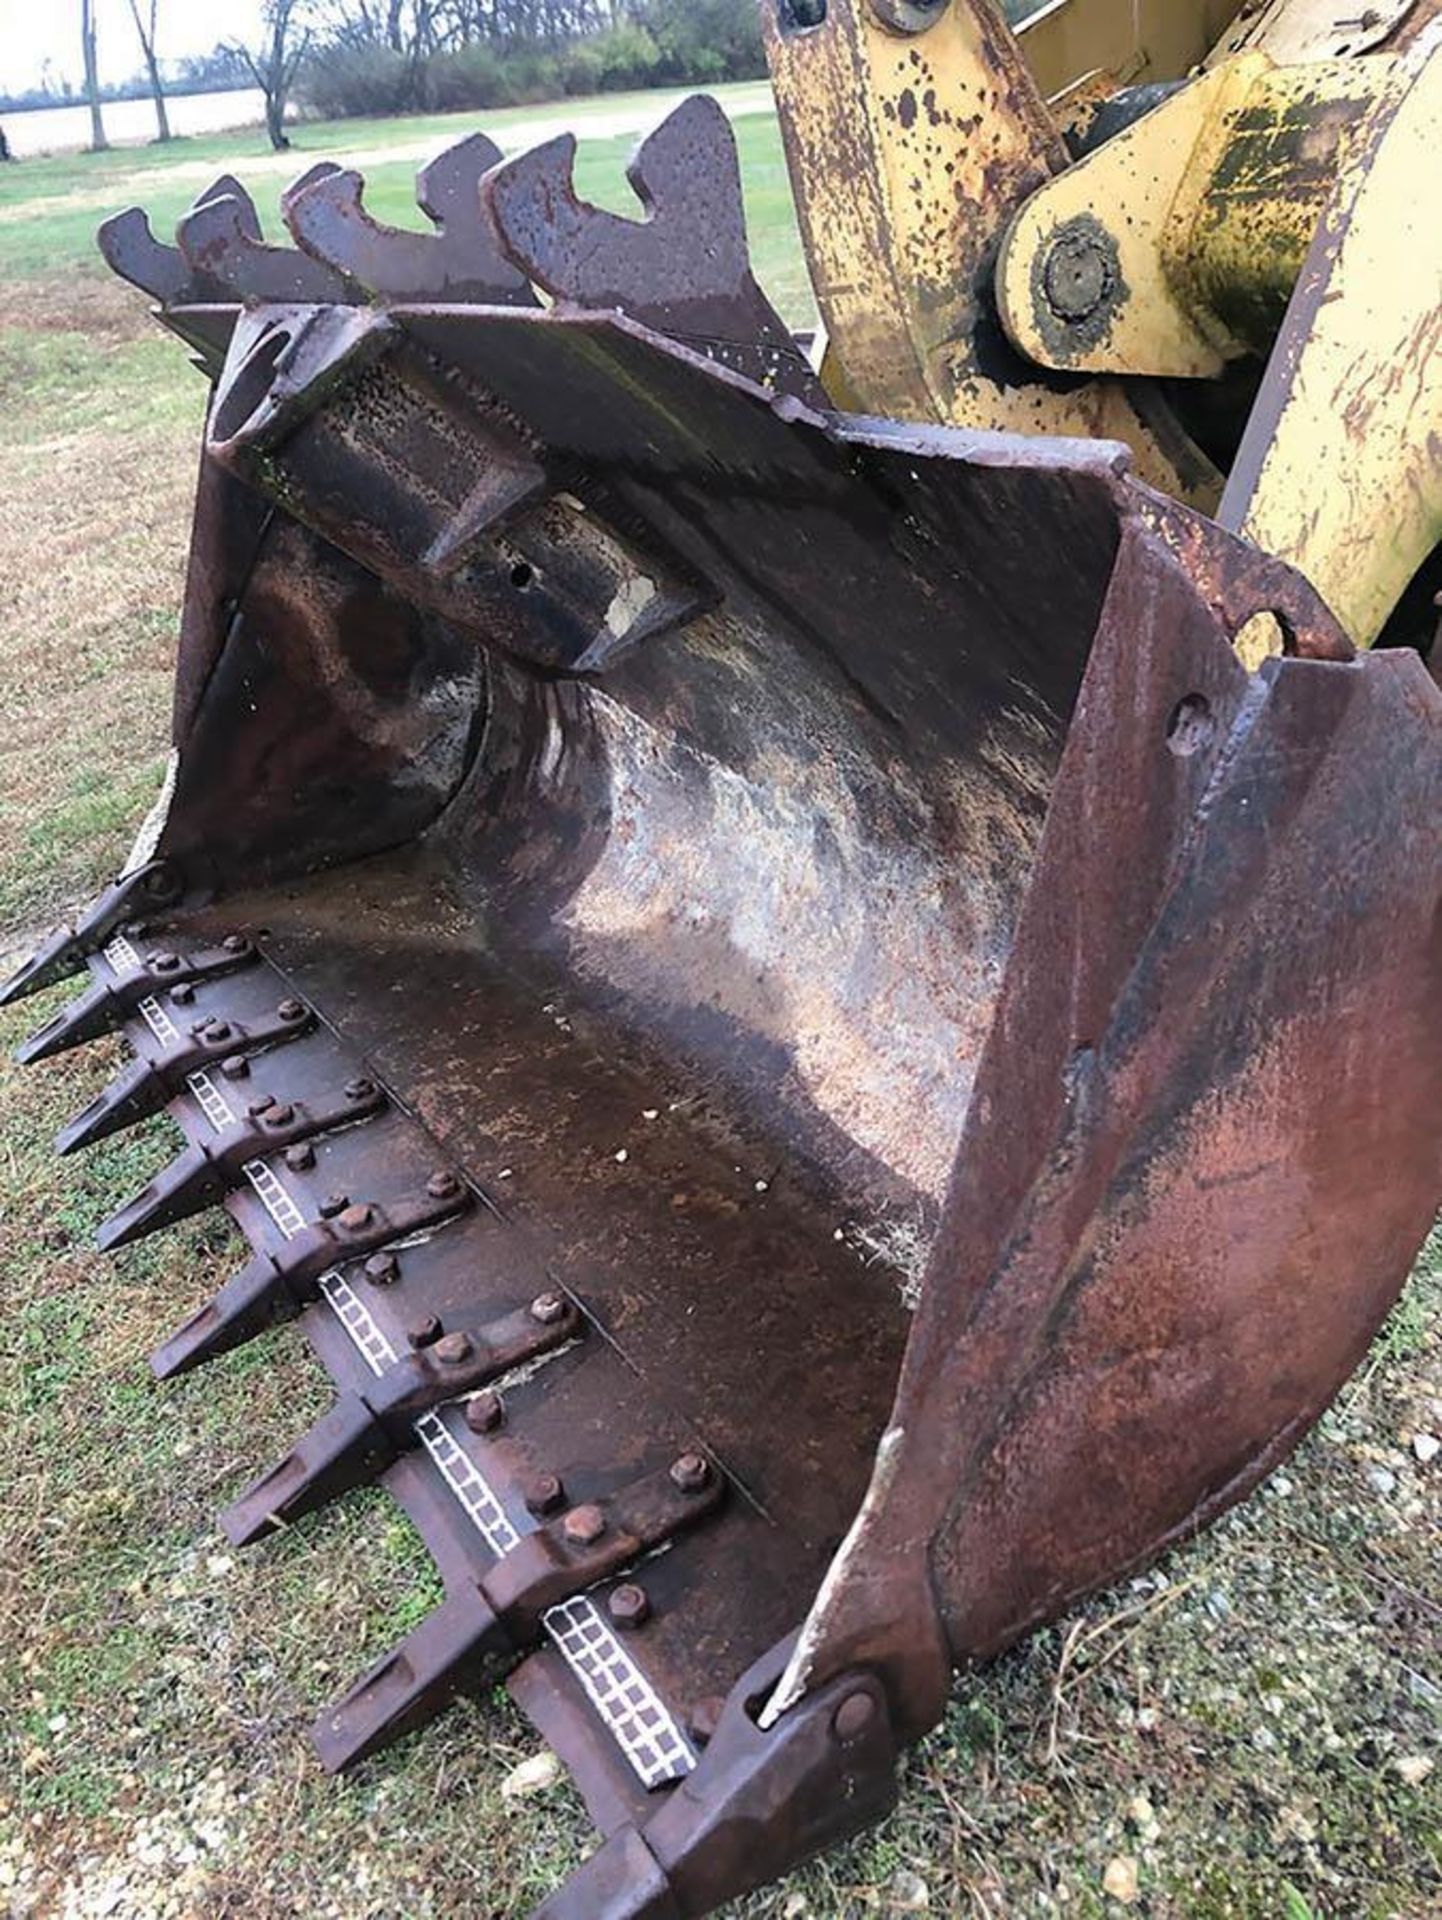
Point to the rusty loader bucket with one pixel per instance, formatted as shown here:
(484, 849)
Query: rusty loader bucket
(824, 1068)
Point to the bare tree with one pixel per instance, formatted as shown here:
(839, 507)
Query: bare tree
(98, 141)
(275, 64)
(152, 65)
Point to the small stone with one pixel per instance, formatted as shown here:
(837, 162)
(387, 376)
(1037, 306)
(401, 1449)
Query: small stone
(219, 1565)
(795, 1908)
(1218, 1605)
(535, 1775)
(1120, 1879)
(1280, 1485)
(1414, 1768)
(1425, 1448)
(623, 1155)
(653, 1113)
(1382, 1481)
(909, 1893)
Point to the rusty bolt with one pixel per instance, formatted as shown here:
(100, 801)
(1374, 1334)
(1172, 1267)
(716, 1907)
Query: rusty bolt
(426, 1331)
(544, 1493)
(280, 1114)
(485, 1412)
(548, 1308)
(583, 1526)
(690, 1473)
(165, 962)
(291, 1009)
(357, 1218)
(300, 1159)
(629, 1606)
(383, 1269)
(705, 1717)
(333, 1204)
(443, 1185)
(359, 1089)
(262, 1103)
(235, 943)
(1080, 275)
(182, 995)
(853, 1717)
(235, 1066)
(455, 1349)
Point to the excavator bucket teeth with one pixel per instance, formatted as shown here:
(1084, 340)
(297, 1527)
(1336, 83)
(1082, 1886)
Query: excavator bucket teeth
(797, 1030)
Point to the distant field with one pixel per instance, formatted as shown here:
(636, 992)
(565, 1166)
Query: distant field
(1250, 1732)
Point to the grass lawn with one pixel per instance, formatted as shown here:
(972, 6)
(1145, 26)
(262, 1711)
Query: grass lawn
(1247, 1731)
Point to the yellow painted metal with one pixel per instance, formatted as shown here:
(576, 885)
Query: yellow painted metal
(1131, 42)
(1299, 30)
(1340, 468)
(908, 153)
(1174, 247)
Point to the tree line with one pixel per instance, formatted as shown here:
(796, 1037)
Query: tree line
(342, 57)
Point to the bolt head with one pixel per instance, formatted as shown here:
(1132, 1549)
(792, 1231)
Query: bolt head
(333, 1204)
(853, 1717)
(691, 1472)
(583, 1526)
(165, 962)
(183, 995)
(425, 1332)
(300, 1159)
(454, 1350)
(629, 1606)
(235, 1066)
(262, 1103)
(548, 1308)
(216, 1033)
(291, 1009)
(485, 1412)
(1079, 275)
(357, 1218)
(359, 1089)
(443, 1185)
(280, 1114)
(383, 1269)
(235, 943)
(545, 1493)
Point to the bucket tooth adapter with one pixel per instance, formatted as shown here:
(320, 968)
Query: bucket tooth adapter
(816, 975)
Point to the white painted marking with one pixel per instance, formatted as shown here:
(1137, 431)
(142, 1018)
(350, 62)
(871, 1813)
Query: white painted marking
(641, 1723)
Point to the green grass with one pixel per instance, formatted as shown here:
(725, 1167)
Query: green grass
(1236, 1723)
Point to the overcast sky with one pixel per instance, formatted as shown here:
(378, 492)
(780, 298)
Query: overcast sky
(34, 31)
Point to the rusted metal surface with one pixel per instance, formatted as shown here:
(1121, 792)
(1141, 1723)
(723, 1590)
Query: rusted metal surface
(684, 270)
(763, 984)
(460, 261)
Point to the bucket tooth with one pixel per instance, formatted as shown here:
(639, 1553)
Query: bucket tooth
(156, 884)
(202, 1176)
(96, 1011)
(134, 1093)
(504, 1613)
(193, 1181)
(225, 186)
(145, 1086)
(108, 1003)
(276, 1287)
(346, 1447)
(444, 1657)
(364, 1432)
